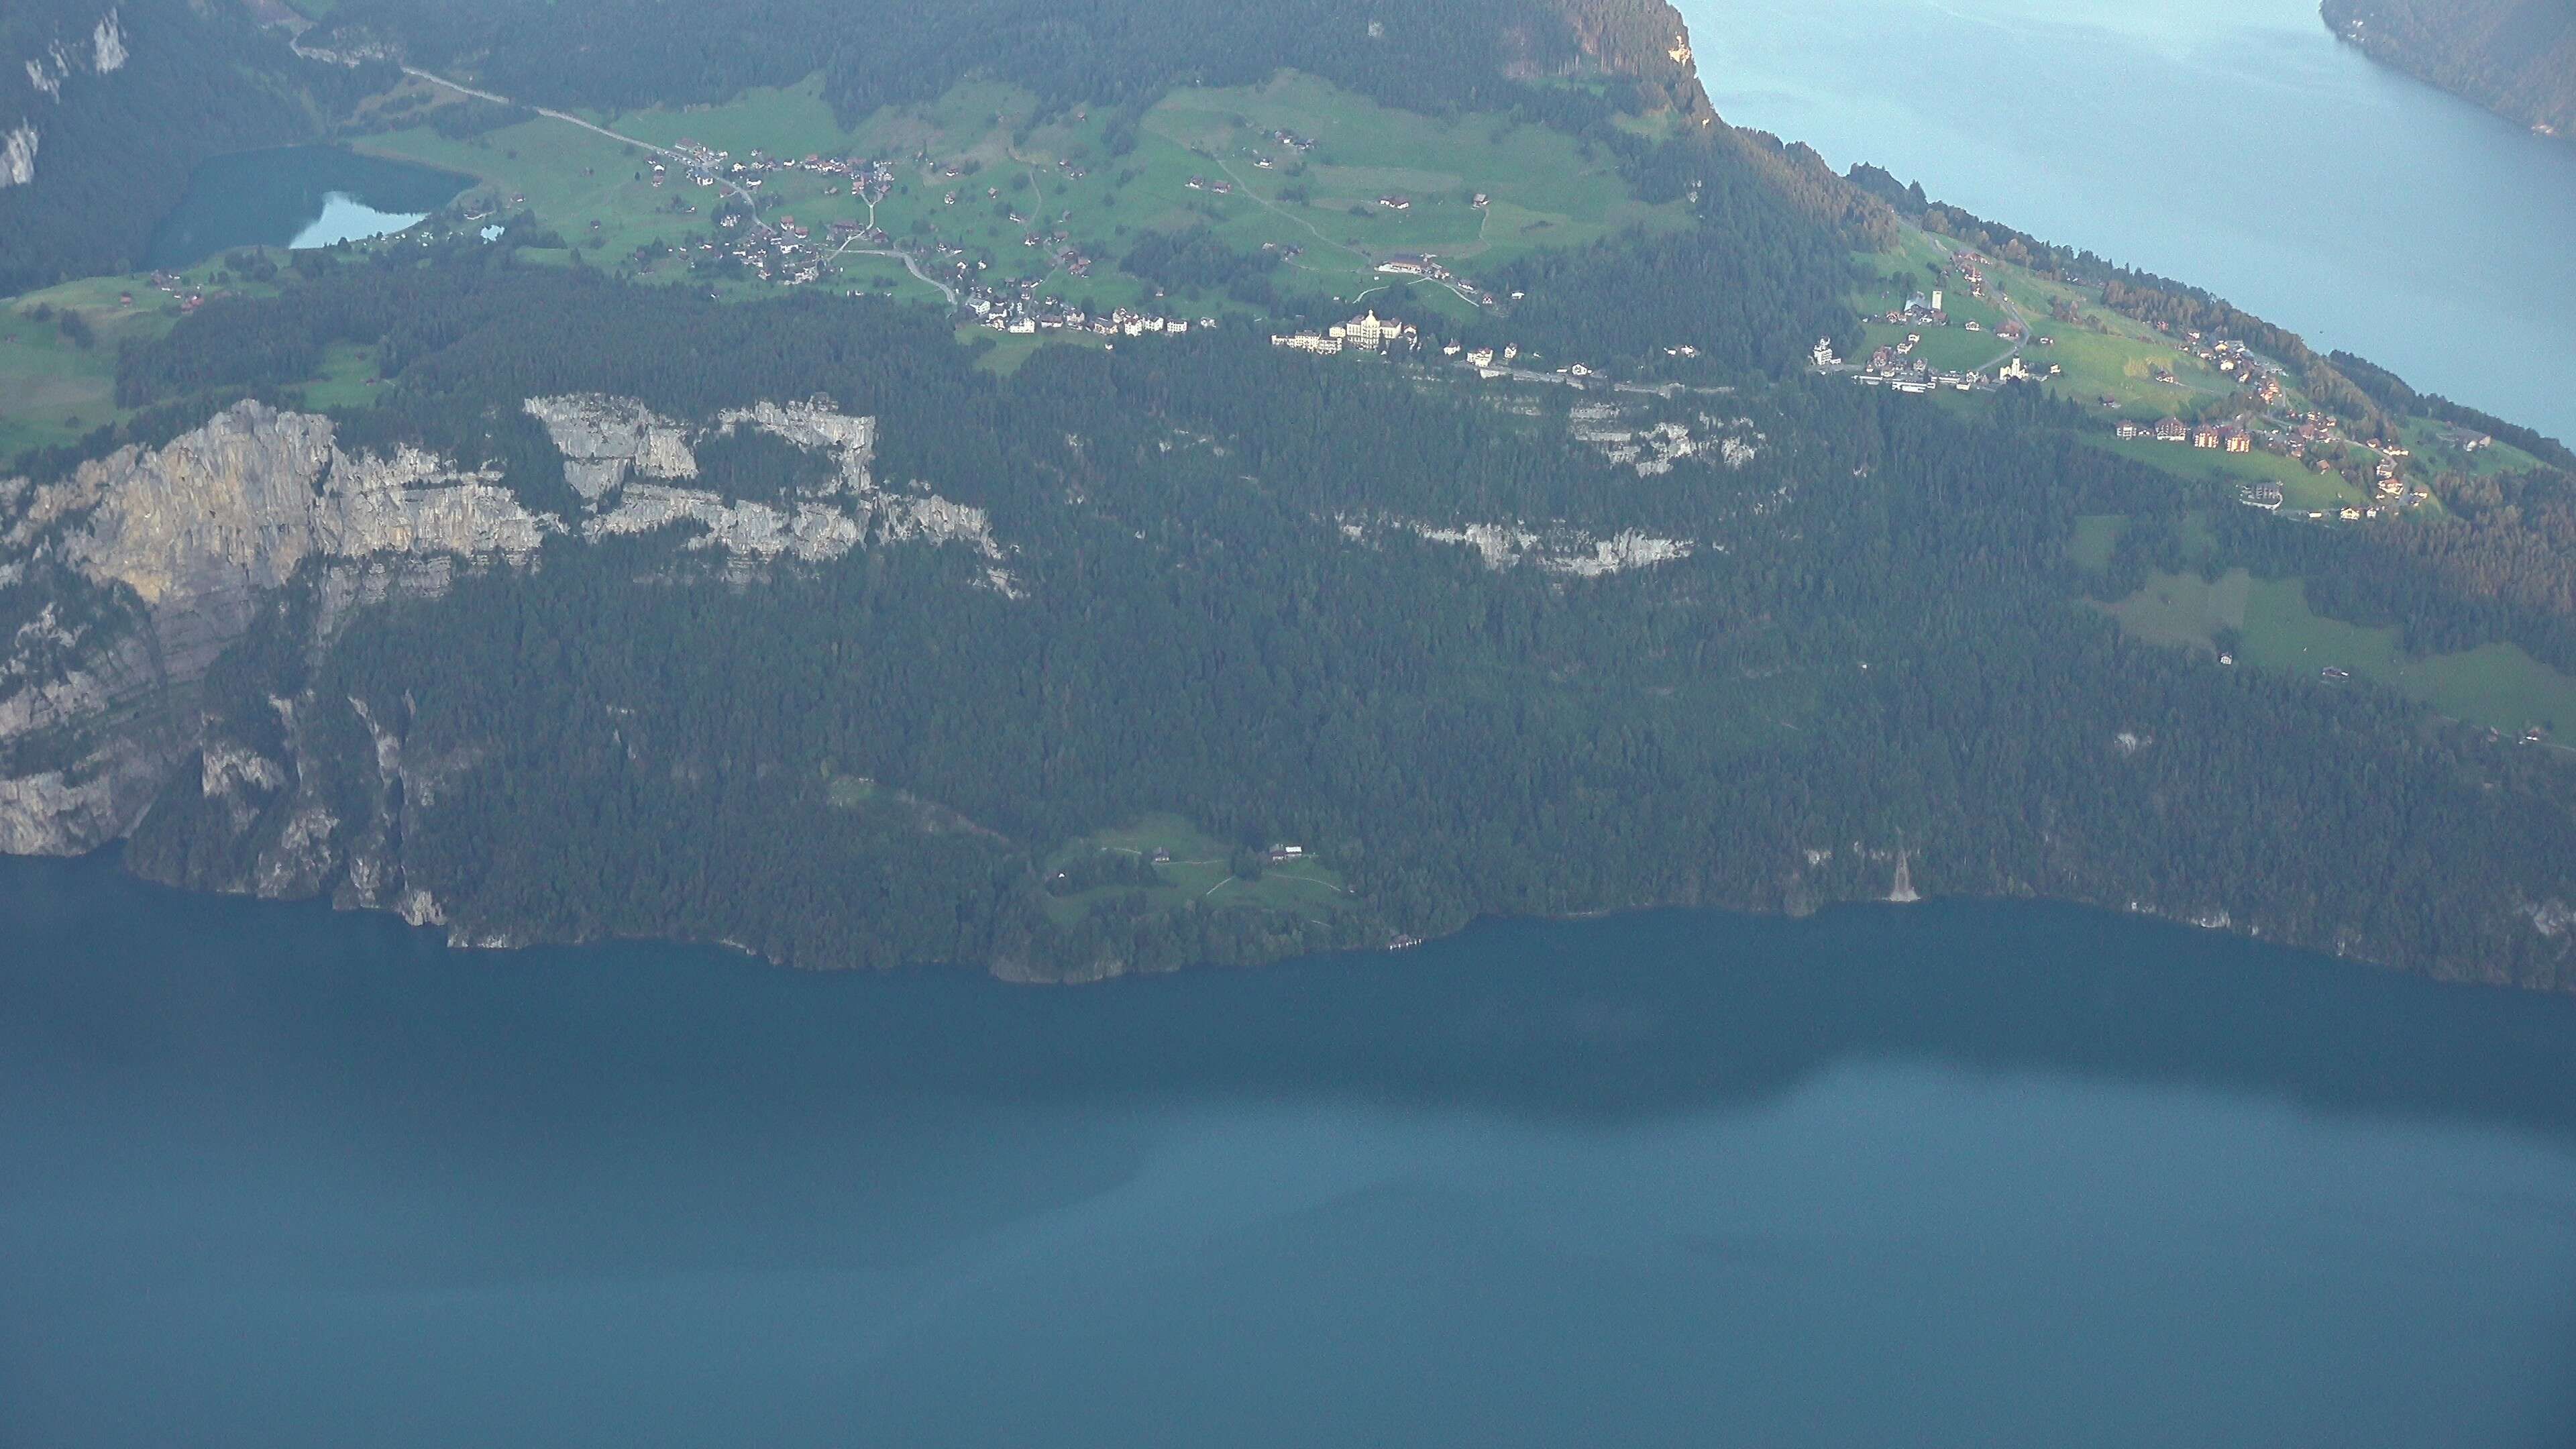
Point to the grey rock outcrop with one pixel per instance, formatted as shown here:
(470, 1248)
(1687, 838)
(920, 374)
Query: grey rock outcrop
(1556, 549)
(121, 585)
(134, 574)
(618, 446)
(607, 440)
(18, 154)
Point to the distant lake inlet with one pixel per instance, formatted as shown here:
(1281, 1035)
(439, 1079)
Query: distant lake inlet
(2231, 144)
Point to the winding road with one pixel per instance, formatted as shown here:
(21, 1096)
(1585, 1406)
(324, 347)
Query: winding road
(568, 119)
(947, 293)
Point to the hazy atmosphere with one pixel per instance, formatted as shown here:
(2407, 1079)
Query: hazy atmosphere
(1500, 722)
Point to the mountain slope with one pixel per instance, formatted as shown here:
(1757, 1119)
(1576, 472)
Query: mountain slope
(1431, 56)
(535, 651)
(2515, 57)
(610, 608)
(107, 105)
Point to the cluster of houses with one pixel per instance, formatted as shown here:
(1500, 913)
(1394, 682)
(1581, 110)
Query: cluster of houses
(1919, 311)
(1890, 368)
(2218, 437)
(783, 251)
(1288, 139)
(1407, 265)
(1491, 363)
(1367, 332)
(1385, 336)
(1429, 269)
(176, 287)
(2294, 437)
(2259, 376)
(1020, 311)
(868, 179)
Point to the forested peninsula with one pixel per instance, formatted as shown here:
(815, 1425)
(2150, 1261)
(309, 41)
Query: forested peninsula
(2515, 57)
(1067, 493)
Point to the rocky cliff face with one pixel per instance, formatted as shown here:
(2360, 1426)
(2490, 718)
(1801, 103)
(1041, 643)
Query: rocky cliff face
(18, 155)
(1644, 40)
(102, 52)
(632, 468)
(123, 584)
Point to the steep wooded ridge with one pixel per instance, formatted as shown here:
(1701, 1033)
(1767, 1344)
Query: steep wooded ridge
(2515, 57)
(1426, 55)
(621, 610)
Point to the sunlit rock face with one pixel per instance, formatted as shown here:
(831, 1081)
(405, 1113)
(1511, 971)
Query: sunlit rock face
(123, 583)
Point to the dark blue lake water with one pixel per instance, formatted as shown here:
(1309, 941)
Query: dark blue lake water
(296, 196)
(1993, 1175)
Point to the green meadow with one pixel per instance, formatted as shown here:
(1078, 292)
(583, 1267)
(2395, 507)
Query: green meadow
(53, 390)
(2303, 489)
(1020, 173)
(1197, 873)
(2498, 685)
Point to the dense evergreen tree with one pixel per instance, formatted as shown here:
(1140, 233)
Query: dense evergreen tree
(650, 752)
(112, 147)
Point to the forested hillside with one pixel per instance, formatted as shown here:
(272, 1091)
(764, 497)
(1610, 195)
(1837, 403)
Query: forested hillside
(1247, 589)
(106, 107)
(467, 577)
(1433, 56)
(2516, 57)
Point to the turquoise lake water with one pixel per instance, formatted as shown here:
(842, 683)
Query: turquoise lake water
(1996, 1175)
(2234, 144)
(296, 196)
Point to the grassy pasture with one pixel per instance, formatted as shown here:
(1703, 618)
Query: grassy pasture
(348, 379)
(2303, 490)
(2184, 611)
(1063, 171)
(52, 391)
(1197, 873)
(2101, 354)
(2497, 685)
(583, 185)
(1948, 349)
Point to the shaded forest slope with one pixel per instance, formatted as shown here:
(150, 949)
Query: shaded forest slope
(2515, 57)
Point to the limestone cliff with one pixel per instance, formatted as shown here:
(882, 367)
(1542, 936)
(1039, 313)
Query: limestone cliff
(631, 465)
(124, 582)
(121, 585)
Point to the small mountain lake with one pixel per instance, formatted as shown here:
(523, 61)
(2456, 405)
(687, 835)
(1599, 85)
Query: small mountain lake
(297, 197)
